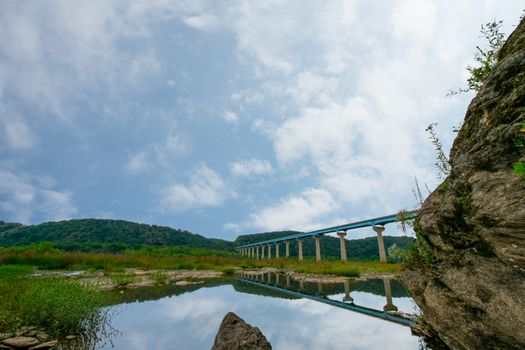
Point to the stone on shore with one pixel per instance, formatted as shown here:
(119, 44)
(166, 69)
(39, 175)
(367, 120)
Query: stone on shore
(45, 346)
(21, 342)
(235, 334)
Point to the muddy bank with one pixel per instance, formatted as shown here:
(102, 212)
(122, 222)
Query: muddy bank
(135, 278)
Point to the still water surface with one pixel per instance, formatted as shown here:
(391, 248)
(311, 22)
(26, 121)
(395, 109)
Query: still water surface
(189, 317)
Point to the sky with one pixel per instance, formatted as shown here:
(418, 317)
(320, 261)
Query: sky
(229, 117)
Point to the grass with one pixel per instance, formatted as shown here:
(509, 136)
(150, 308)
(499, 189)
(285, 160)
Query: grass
(160, 278)
(58, 305)
(121, 279)
(117, 263)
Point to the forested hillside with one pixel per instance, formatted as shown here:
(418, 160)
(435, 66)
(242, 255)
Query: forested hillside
(116, 236)
(102, 234)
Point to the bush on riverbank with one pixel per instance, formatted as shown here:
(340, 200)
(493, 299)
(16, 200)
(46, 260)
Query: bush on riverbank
(58, 305)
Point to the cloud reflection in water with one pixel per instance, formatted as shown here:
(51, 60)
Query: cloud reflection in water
(191, 320)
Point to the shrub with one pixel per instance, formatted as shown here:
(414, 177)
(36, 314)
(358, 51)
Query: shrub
(228, 270)
(159, 277)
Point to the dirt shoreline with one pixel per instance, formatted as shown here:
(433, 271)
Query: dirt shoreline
(137, 278)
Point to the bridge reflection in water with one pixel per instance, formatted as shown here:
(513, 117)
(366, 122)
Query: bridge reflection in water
(284, 284)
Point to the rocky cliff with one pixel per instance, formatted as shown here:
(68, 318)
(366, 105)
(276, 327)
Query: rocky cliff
(473, 294)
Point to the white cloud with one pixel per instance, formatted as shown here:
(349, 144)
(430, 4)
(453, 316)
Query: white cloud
(57, 52)
(230, 117)
(205, 22)
(22, 197)
(17, 133)
(364, 93)
(138, 162)
(313, 89)
(297, 212)
(205, 189)
(249, 167)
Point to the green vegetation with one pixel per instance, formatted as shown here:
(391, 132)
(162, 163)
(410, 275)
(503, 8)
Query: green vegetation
(160, 278)
(115, 264)
(59, 305)
(138, 240)
(442, 161)
(519, 167)
(112, 236)
(486, 58)
(419, 255)
(122, 279)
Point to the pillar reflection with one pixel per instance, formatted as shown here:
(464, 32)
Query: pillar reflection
(388, 292)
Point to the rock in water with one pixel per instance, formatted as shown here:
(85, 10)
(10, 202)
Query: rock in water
(473, 294)
(235, 334)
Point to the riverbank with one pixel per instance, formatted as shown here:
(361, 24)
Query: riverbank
(117, 263)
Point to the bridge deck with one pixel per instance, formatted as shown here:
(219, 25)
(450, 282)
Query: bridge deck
(361, 309)
(382, 220)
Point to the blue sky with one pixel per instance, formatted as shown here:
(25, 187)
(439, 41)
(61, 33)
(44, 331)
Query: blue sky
(228, 117)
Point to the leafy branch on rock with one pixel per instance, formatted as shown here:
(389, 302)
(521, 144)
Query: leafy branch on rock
(486, 59)
(442, 162)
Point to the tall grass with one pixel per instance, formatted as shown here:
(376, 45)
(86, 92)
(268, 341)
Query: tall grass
(58, 305)
(117, 263)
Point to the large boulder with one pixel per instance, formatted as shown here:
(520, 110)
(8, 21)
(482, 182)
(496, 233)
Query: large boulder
(473, 294)
(235, 334)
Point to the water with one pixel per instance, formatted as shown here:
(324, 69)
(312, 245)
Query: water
(189, 317)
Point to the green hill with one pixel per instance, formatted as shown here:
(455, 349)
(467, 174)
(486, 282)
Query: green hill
(102, 235)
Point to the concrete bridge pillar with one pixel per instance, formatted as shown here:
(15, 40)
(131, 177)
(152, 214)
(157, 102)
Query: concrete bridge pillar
(301, 285)
(342, 242)
(277, 250)
(300, 249)
(269, 251)
(276, 279)
(262, 252)
(347, 298)
(381, 244)
(317, 248)
(287, 281)
(257, 252)
(389, 304)
(252, 252)
(287, 244)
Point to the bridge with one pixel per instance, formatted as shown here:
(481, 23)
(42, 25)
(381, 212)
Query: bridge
(257, 250)
(389, 312)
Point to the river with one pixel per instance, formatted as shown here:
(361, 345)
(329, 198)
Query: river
(292, 315)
